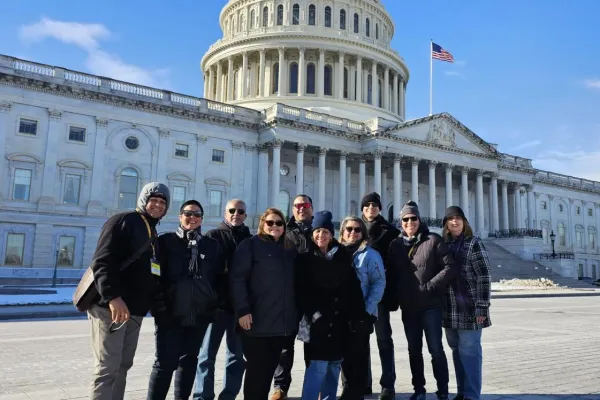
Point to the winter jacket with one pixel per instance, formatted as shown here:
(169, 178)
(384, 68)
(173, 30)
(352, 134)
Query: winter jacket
(331, 288)
(262, 283)
(177, 280)
(469, 295)
(370, 271)
(298, 234)
(425, 270)
(121, 236)
(229, 238)
(380, 234)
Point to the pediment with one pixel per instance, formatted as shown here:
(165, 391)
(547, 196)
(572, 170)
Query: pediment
(73, 164)
(24, 157)
(446, 131)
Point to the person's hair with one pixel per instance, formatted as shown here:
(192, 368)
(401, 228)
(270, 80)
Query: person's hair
(304, 197)
(191, 202)
(235, 201)
(261, 226)
(359, 221)
(467, 230)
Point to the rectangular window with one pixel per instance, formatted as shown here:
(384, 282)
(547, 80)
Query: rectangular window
(66, 251)
(592, 240)
(545, 235)
(178, 198)
(15, 247)
(590, 212)
(577, 210)
(544, 205)
(72, 189)
(579, 239)
(181, 150)
(27, 126)
(216, 198)
(22, 184)
(76, 134)
(218, 156)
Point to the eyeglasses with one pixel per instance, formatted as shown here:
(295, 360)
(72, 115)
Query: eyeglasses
(300, 206)
(356, 229)
(406, 219)
(270, 222)
(189, 213)
(114, 326)
(371, 204)
(240, 211)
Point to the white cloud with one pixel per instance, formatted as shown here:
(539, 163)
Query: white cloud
(593, 84)
(452, 73)
(98, 61)
(578, 163)
(526, 145)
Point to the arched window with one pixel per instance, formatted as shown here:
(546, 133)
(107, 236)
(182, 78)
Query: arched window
(128, 189)
(310, 78)
(296, 14)
(545, 232)
(241, 23)
(345, 83)
(343, 19)
(312, 14)
(368, 28)
(265, 17)
(370, 90)
(284, 202)
(328, 81)
(293, 78)
(356, 23)
(252, 17)
(275, 79)
(328, 17)
(280, 14)
(380, 93)
(592, 237)
(562, 235)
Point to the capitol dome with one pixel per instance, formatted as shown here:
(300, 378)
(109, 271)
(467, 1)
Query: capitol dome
(314, 54)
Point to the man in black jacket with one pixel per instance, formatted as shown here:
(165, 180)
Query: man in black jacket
(127, 295)
(230, 233)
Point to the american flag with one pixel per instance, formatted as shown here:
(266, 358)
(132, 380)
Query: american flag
(438, 53)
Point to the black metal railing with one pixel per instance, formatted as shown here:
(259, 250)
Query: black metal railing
(432, 222)
(517, 233)
(555, 256)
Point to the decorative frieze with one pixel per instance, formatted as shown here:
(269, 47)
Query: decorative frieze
(236, 145)
(55, 115)
(201, 139)
(5, 106)
(101, 122)
(164, 133)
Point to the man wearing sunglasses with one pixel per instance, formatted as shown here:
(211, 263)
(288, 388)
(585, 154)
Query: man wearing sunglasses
(126, 295)
(230, 233)
(298, 231)
(426, 267)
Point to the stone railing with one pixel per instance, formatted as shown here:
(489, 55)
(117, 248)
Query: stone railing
(517, 233)
(515, 160)
(56, 75)
(554, 178)
(313, 118)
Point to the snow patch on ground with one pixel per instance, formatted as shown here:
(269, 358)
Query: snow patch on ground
(63, 295)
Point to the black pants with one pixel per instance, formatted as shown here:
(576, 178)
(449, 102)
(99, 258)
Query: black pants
(177, 348)
(355, 366)
(262, 355)
(283, 374)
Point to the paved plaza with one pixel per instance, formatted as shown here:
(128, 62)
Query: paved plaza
(539, 348)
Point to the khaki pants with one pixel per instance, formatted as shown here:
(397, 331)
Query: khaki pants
(113, 353)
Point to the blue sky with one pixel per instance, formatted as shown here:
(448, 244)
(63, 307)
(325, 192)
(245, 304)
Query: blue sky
(527, 75)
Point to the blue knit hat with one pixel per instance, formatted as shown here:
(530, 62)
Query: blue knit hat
(322, 219)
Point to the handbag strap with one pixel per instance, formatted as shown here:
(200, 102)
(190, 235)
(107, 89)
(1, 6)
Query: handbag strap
(142, 249)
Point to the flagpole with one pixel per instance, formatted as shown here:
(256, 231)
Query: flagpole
(431, 78)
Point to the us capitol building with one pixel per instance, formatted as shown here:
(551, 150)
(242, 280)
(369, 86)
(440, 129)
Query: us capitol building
(300, 96)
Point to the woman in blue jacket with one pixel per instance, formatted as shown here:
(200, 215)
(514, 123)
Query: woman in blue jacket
(371, 273)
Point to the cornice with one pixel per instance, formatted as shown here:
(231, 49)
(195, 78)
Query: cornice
(565, 185)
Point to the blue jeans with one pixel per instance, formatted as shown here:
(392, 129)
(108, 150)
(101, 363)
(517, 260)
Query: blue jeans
(468, 359)
(430, 322)
(224, 324)
(321, 377)
(385, 344)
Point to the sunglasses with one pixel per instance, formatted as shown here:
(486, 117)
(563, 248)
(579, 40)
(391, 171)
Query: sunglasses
(406, 219)
(300, 206)
(270, 222)
(188, 213)
(114, 326)
(356, 229)
(371, 204)
(240, 211)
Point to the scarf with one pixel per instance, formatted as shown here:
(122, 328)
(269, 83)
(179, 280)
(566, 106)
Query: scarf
(353, 247)
(459, 285)
(193, 238)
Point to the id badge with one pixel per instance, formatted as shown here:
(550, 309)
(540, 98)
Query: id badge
(155, 267)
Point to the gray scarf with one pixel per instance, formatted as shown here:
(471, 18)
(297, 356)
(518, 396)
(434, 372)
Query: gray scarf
(193, 238)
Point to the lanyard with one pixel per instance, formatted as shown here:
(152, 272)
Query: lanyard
(149, 235)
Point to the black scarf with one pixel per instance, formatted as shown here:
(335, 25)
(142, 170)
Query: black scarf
(459, 284)
(193, 238)
(353, 247)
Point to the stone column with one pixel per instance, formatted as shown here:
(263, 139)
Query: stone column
(359, 74)
(518, 214)
(494, 202)
(397, 185)
(375, 87)
(300, 168)
(53, 140)
(229, 79)
(219, 93)
(432, 195)
(414, 184)
(199, 191)
(401, 100)
(464, 190)
(362, 178)
(343, 187)
(164, 151)
(341, 76)
(281, 88)
(377, 170)
(275, 172)
(505, 221)
(5, 108)
(479, 202)
(98, 187)
(301, 72)
(531, 207)
(250, 174)
(210, 94)
(395, 94)
(322, 171)
(386, 88)
(571, 224)
(263, 179)
(348, 188)
(321, 75)
(261, 77)
(244, 75)
(449, 168)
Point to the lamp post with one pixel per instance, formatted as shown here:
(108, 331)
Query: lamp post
(552, 238)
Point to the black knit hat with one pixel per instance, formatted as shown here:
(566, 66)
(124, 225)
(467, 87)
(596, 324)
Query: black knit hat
(410, 208)
(322, 219)
(370, 198)
(453, 211)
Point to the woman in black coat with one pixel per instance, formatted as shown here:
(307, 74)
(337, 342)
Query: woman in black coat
(332, 307)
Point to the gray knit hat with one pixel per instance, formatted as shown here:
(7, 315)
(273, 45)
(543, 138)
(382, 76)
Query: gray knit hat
(410, 208)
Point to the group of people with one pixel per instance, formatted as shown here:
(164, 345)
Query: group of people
(292, 281)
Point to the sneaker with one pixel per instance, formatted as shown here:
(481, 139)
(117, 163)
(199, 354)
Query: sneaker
(387, 394)
(418, 396)
(459, 397)
(279, 394)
